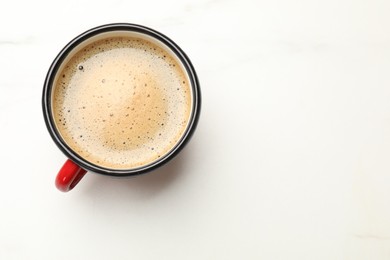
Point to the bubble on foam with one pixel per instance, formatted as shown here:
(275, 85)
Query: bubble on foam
(135, 103)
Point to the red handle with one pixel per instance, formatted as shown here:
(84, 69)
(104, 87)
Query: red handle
(69, 175)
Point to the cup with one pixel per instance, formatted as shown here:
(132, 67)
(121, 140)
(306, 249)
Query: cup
(78, 165)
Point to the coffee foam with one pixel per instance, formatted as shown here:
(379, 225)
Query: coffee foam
(121, 102)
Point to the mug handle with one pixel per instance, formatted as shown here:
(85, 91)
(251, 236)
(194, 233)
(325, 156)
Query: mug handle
(69, 175)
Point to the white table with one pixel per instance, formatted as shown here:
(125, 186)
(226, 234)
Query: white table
(291, 158)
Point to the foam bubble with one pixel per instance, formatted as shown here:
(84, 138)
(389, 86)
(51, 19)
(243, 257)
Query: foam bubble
(121, 102)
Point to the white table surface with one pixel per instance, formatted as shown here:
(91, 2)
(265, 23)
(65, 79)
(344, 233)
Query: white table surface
(291, 158)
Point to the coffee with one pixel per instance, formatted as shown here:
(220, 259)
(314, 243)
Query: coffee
(121, 102)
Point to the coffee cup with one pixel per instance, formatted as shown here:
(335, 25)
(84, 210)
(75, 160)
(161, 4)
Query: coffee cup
(119, 100)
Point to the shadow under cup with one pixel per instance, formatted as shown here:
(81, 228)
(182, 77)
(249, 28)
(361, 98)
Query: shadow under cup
(75, 168)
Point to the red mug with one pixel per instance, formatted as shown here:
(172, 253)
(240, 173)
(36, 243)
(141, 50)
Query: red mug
(76, 166)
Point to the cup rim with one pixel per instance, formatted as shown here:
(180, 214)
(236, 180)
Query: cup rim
(48, 85)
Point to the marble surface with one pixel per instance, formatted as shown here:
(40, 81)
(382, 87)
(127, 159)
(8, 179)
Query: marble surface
(290, 159)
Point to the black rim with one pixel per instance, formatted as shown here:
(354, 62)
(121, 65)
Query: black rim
(47, 88)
